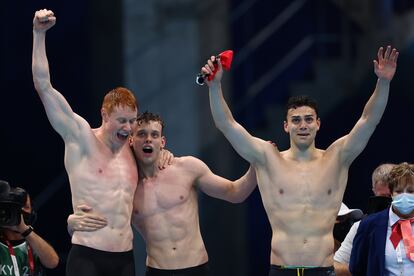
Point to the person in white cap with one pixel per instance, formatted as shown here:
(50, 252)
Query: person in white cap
(344, 221)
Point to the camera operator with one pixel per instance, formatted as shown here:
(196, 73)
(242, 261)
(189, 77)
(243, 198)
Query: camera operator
(22, 251)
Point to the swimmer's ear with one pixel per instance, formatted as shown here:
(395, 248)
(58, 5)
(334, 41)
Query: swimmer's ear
(104, 115)
(285, 126)
(163, 142)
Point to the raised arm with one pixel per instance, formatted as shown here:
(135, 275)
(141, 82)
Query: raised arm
(216, 186)
(58, 111)
(249, 147)
(357, 139)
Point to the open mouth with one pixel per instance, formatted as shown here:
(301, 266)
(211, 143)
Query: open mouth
(122, 136)
(147, 149)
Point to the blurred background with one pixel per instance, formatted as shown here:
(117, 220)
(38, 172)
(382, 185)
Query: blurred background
(323, 48)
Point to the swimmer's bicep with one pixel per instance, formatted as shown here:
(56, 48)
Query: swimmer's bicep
(60, 114)
(251, 148)
(355, 141)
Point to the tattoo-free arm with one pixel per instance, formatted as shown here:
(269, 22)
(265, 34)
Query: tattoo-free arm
(58, 111)
(357, 139)
(249, 147)
(216, 186)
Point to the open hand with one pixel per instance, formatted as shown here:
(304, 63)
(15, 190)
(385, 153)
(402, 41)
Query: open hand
(166, 159)
(84, 220)
(386, 64)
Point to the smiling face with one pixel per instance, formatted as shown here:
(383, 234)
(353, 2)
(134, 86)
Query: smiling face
(119, 124)
(147, 142)
(302, 125)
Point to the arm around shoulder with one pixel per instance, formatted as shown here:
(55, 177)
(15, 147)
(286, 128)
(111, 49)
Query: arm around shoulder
(216, 186)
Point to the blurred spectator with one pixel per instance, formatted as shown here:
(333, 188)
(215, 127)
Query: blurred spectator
(22, 251)
(380, 201)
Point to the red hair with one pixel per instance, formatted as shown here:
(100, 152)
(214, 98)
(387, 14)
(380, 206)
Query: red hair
(119, 96)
